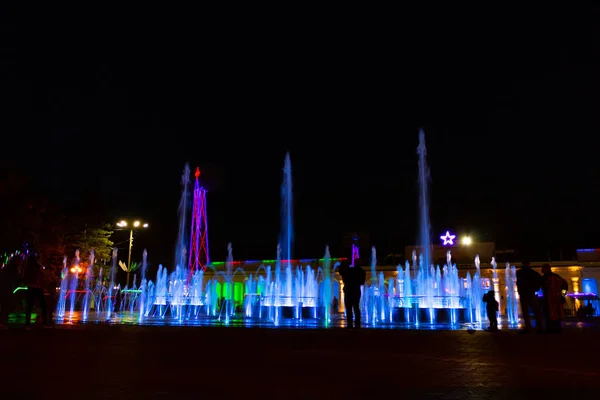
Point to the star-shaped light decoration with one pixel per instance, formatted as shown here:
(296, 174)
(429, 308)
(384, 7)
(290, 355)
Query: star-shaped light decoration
(448, 239)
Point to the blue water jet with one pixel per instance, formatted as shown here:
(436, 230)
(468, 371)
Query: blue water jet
(424, 241)
(110, 303)
(286, 239)
(184, 205)
(89, 280)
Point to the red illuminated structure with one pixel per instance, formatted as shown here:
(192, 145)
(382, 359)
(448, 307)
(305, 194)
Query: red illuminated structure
(199, 236)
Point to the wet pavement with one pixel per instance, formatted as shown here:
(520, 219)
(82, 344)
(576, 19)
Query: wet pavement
(146, 362)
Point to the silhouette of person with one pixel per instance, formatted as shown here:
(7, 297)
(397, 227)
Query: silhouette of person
(8, 282)
(528, 283)
(353, 277)
(552, 287)
(491, 308)
(34, 279)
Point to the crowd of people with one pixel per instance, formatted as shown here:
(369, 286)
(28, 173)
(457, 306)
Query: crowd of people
(548, 311)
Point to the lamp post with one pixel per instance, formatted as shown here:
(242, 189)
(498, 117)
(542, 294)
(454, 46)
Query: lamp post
(135, 225)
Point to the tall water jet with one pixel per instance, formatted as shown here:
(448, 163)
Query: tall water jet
(512, 307)
(371, 289)
(286, 239)
(373, 264)
(62, 295)
(182, 242)
(477, 290)
(495, 282)
(110, 303)
(89, 280)
(229, 261)
(227, 306)
(355, 253)
(327, 294)
(275, 288)
(424, 241)
(74, 281)
(144, 264)
(143, 286)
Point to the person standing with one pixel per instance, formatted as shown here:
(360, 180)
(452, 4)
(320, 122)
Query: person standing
(553, 301)
(491, 308)
(33, 278)
(354, 277)
(9, 276)
(529, 283)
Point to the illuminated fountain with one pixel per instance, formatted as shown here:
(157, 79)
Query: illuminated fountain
(428, 294)
(195, 290)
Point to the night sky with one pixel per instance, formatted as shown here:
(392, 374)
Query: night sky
(104, 110)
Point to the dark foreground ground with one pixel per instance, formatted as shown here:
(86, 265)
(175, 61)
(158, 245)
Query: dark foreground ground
(131, 362)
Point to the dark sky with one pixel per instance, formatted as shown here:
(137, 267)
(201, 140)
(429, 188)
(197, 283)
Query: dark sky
(105, 106)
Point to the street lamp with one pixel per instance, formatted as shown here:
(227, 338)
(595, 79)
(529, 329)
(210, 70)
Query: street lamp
(135, 225)
(76, 269)
(467, 240)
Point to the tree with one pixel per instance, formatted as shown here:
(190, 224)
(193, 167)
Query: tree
(87, 239)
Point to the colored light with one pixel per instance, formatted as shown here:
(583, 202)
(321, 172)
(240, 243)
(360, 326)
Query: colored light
(582, 295)
(305, 260)
(199, 251)
(20, 288)
(448, 239)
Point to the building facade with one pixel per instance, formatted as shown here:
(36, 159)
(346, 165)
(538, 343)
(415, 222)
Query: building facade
(582, 277)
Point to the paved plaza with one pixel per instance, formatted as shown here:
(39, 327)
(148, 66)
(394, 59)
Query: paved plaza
(160, 362)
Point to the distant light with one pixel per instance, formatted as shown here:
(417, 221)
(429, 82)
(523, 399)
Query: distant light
(145, 225)
(123, 223)
(467, 240)
(119, 224)
(136, 223)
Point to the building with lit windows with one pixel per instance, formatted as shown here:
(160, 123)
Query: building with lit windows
(582, 275)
